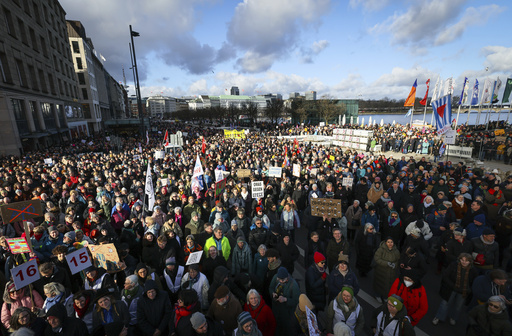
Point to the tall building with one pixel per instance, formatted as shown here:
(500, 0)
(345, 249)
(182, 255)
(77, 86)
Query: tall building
(310, 95)
(158, 105)
(235, 91)
(38, 86)
(83, 59)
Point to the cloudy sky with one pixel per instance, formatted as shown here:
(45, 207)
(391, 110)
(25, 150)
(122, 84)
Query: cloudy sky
(367, 49)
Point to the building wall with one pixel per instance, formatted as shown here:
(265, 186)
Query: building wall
(37, 81)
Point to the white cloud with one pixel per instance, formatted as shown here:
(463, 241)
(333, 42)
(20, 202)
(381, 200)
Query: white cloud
(307, 53)
(263, 29)
(434, 22)
(369, 5)
(498, 58)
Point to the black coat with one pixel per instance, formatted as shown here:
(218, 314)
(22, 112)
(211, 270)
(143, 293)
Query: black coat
(70, 325)
(183, 327)
(365, 249)
(154, 314)
(288, 253)
(315, 286)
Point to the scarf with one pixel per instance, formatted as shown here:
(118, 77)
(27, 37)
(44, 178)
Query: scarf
(129, 295)
(81, 312)
(486, 242)
(464, 285)
(180, 312)
(425, 204)
(385, 200)
(320, 269)
(460, 203)
(50, 302)
(274, 264)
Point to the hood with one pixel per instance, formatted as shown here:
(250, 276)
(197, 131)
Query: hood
(58, 310)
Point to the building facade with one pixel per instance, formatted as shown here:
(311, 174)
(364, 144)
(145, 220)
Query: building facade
(158, 105)
(38, 86)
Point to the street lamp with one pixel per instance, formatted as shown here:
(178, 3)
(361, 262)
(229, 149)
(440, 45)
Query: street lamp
(134, 65)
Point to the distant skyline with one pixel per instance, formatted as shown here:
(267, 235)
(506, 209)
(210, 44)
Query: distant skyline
(352, 49)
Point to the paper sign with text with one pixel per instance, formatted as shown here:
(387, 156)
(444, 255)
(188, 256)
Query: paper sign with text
(105, 256)
(25, 274)
(275, 172)
(194, 258)
(78, 260)
(258, 189)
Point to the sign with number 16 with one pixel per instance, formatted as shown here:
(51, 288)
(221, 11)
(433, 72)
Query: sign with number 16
(25, 274)
(78, 260)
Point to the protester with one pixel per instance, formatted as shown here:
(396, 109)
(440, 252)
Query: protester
(490, 318)
(261, 313)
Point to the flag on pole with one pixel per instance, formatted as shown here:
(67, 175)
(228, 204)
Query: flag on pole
(203, 146)
(506, 93)
(408, 113)
(286, 162)
(486, 96)
(295, 143)
(166, 138)
(436, 91)
(474, 96)
(147, 138)
(443, 113)
(149, 189)
(412, 95)
(464, 93)
(497, 88)
(448, 86)
(424, 100)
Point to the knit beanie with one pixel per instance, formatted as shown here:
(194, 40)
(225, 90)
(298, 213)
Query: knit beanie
(348, 289)
(244, 318)
(318, 257)
(197, 319)
(395, 300)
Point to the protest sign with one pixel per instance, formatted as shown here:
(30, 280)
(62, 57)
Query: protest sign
(105, 256)
(164, 181)
(312, 323)
(108, 138)
(296, 169)
(18, 245)
(25, 274)
(78, 260)
(328, 207)
(19, 211)
(159, 154)
(347, 182)
(194, 258)
(258, 189)
(241, 173)
(499, 131)
(219, 187)
(275, 172)
(48, 161)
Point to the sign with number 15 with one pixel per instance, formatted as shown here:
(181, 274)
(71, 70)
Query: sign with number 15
(25, 274)
(78, 260)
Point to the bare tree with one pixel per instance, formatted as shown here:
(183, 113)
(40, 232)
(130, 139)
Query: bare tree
(250, 109)
(275, 110)
(328, 108)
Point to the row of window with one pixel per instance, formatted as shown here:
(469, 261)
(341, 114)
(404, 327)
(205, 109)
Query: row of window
(48, 113)
(53, 20)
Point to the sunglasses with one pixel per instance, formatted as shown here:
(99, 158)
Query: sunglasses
(494, 306)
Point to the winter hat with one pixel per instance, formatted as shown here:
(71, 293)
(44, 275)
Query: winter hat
(258, 209)
(70, 235)
(52, 228)
(244, 318)
(459, 231)
(240, 239)
(218, 216)
(282, 273)
(343, 258)
(480, 218)
(396, 301)
(221, 292)
(170, 261)
(348, 289)
(127, 223)
(488, 231)
(420, 223)
(305, 302)
(442, 207)
(193, 214)
(341, 329)
(318, 257)
(197, 319)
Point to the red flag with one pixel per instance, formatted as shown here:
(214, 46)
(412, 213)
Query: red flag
(203, 147)
(424, 100)
(166, 138)
(295, 143)
(286, 163)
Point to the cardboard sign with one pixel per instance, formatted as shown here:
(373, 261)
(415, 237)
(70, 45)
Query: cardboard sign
(328, 207)
(296, 169)
(78, 260)
(347, 182)
(165, 182)
(19, 211)
(499, 132)
(275, 172)
(219, 187)
(449, 137)
(105, 256)
(257, 189)
(241, 173)
(25, 274)
(18, 245)
(312, 323)
(194, 258)
(159, 154)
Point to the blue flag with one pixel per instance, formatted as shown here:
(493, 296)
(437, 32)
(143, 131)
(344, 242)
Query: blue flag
(474, 97)
(443, 112)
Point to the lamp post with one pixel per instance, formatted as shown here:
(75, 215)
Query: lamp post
(137, 91)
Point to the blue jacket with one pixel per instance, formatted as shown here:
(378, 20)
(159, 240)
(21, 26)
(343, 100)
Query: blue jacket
(367, 218)
(51, 244)
(336, 281)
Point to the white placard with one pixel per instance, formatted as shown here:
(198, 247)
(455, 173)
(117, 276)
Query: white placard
(257, 189)
(48, 161)
(296, 169)
(25, 274)
(83, 141)
(194, 258)
(449, 137)
(347, 182)
(108, 138)
(164, 181)
(312, 323)
(90, 143)
(136, 157)
(159, 154)
(78, 260)
(219, 176)
(275, 172)
(314, 172)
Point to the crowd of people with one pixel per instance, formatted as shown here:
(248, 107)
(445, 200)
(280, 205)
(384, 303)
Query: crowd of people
(398, 216)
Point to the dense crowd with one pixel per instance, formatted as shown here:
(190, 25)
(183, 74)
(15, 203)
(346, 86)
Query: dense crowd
(398, 215)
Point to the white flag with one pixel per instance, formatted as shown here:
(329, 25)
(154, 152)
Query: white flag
(486, 96)
(448, 86)
(437, 89)
(198, 169)
(149, 189)
(219, 176)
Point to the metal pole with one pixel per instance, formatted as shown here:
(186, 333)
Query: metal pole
(139, 99)
(425, 111)
(412, 115)
(457, 121)
(133, 71)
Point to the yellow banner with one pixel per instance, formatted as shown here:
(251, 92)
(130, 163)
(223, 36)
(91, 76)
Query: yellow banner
(499, 132)
(234, 134)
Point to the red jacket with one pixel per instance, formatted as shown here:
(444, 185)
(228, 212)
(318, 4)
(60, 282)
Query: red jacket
(264, 318)
(415, 299)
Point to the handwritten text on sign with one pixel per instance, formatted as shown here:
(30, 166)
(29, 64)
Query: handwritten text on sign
(25, 274)
(258, 189)
(78, 260)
